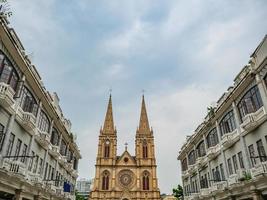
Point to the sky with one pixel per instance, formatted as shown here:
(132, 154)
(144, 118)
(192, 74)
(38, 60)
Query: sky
(183, 53)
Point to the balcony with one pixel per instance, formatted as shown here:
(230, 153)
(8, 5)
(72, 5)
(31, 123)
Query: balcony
(43, 139)
(213, 152)
(14, 166)
(192, 168)
(62, 160)
(74, 173)
(229, 139)
(35, 179)
(6, 95)
(194, 196)
(27, 120)
(259, 169)
(240, 175)
(205, 191)
(185, 174)
(219, 186)
(201, 161)
(253, 120)
(69, 166)
(54, 151)
(69, 196)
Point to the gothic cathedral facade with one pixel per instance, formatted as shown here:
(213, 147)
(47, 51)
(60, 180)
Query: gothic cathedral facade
(125, 177)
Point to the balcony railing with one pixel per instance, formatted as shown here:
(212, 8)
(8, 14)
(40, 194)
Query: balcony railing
(54, 151)
(6, 95)
(43, 139)
(74, 173)
(201, 161)
(62, 160)
(213, 152)
(27, 120)
(239, 176)
(253, 120)
(192, 168)
(194, 196)
(14, 166)
(205, 191)
(229, 139)
(259, 169)
(218, 186)
(35, 179)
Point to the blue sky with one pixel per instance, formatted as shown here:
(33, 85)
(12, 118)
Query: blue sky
(184, 54)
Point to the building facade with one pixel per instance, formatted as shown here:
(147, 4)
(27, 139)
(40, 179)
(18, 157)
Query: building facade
(83, 187)
(125, 177)
(38, 153)
(226, 156)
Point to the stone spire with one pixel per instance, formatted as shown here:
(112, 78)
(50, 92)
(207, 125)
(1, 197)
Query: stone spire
(143, 124)
(109, 127)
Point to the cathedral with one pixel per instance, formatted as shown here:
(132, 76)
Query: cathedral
(125, 177)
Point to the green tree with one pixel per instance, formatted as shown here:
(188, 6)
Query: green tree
(78, 197)
(178, 192)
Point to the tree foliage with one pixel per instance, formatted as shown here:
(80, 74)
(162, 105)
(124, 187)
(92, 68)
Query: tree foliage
(178, 192)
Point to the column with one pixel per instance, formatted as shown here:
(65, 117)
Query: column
(246, 160)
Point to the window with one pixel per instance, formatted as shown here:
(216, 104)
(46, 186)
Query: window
(250, 102)
(212, 138)
(35, 164)
(230, 166)
(261, 151)
(52, 173)
(24, 151)
(227, 124)
(184, 164)
(105, 181)
(2, 136)
(75, 163)
(63, 148)
(201, 149)
(10, 144)
(55, 137)
(252, 155)
(145, 181)
(31, 161)
(145, 152)
(106, 149)
(40, 168)
(222, 172)
(43, 123)
(240, 158)
(235, 163)
(8, 74)
(216, 174)
(204, 181)
(191, 158)
(49, 172)
(17, 149)
(28, 102)
(265, 80)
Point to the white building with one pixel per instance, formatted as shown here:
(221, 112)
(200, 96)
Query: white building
(83, 187)
(38, 153)
(225, 158)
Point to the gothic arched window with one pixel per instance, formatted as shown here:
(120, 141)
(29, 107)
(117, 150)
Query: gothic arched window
(106, 149)
(145, 150)
(105, 180)
(201, 149)
(146, 181)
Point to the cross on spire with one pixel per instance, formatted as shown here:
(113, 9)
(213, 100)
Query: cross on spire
(126, 146)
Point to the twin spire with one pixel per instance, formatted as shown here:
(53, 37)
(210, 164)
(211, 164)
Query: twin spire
(109, 127)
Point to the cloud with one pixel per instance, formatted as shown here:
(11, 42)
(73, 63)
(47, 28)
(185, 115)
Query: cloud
(183, 53)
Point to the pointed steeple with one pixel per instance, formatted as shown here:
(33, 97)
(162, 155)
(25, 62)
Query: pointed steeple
(109, 127)
(143, 124)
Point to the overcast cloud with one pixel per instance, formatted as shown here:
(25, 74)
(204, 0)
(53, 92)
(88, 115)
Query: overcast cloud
(183, 53)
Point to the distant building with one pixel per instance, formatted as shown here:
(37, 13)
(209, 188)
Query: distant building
(83, 187)
(226, 156)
